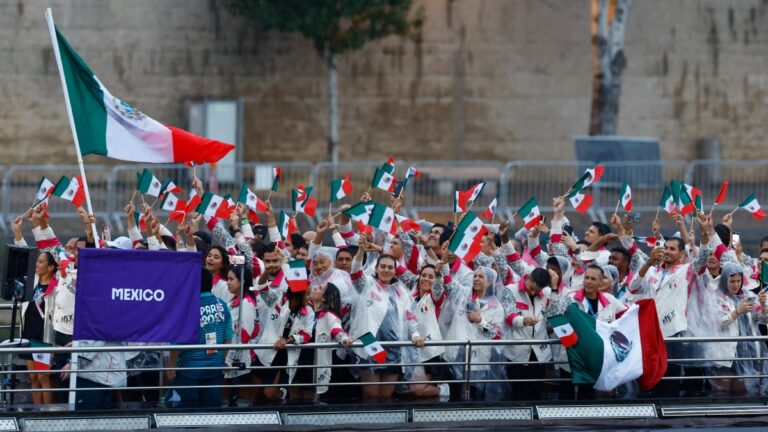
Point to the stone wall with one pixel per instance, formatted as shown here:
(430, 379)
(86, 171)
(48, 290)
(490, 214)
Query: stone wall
(489, 79)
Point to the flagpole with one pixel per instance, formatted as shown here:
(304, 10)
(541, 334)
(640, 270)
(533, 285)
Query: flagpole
(134, 194)
(57, 55)
(734, 210)
(617, 206)
(712, 209)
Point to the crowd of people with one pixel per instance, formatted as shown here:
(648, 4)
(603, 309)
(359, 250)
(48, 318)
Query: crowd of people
(409, 287)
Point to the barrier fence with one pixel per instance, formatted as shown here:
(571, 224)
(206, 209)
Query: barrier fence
(513, 182)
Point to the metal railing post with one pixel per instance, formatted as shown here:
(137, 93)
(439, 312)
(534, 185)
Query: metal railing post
(467, 370)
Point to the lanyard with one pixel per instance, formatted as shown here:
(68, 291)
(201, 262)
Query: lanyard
(589, 305)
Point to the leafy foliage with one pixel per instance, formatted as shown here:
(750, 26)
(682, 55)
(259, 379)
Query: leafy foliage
(334, 26)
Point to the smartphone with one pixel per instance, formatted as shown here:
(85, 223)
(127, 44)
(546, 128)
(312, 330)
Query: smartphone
(471, 306)
(736, 240)
(398, 189)
(660, 243)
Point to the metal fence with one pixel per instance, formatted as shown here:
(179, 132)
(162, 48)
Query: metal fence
(465, 378)
(514, 182)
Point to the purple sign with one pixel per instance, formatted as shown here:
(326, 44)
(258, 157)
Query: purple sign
(138, 296)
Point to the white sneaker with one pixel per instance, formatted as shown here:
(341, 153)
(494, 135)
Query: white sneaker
(445, 391)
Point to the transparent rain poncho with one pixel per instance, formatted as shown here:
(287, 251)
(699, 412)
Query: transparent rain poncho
(458, 327)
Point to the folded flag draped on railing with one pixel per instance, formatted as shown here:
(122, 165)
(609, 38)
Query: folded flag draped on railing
(109, 127)
(607, 355)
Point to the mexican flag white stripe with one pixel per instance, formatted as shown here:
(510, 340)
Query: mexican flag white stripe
(626, 197)
(108, 126)
(44, 190)
(170, 202)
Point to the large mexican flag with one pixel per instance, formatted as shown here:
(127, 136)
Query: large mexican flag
(110, 127)
(607, 355)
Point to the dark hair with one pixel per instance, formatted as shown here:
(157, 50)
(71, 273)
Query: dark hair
(205, 237)
(224, 259)
(332, 298)
(268, 248)
(680, 243)
(497, 240)
(426, 266)
(622, 250)
(724, 233)
(51, 260)
(583, 242)
(764, 239)
(447, 233)
(200, 244)
(247, 280)
(540, 277)
(762, 251)
(439, 225)
(602, 228)
(346, 250)
(596, 267)
(297, 240)
(206, 280)
(257, 246)
(294, 300)
(169, 242)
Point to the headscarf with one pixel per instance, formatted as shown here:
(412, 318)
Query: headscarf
(340, 278)
(492, 280)
(611, 272)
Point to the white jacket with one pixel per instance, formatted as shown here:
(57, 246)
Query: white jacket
(517, 306)
(730, 328)
(274, 326)
(327, 328)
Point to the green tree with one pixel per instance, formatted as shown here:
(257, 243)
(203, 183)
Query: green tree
(334, 27)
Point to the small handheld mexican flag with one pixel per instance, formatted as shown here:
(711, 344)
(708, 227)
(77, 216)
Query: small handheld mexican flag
(194, 201)
(580, 201)
(607, 355)
(42, 360)
(475, 191)
(213, 205)
(340, 188)
(466, 240)
(383, 180)
(460, 199)
(383, 218)
(286, 225)
(277, 175)
(626, 197)
(169, 187)
(360, 212)
(149, 184)
(71, 190)
(530, 213)
(301, 201)
(141, 223)
(490, 212)
(753, 207)
(412, 172)
(407, 224)
(297, 276)
(176, 208)
(721, 195)
(44, 190)
(667, 201)
(250, 199)
(373, 348)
